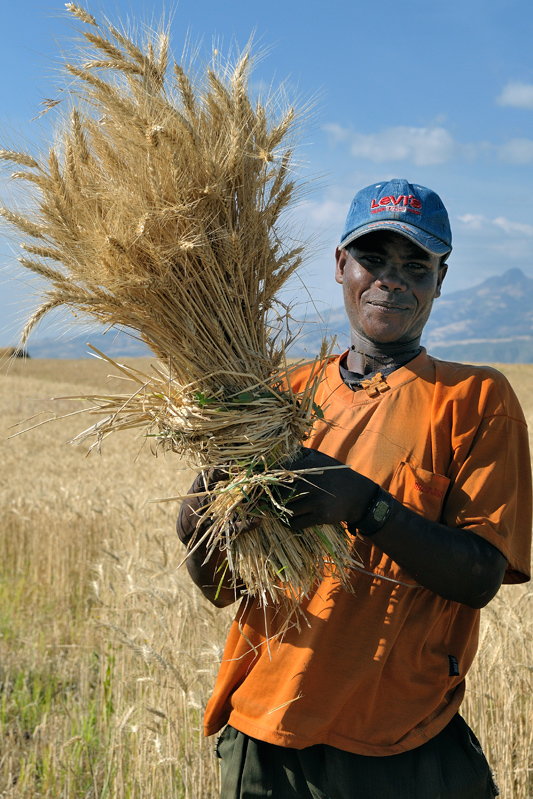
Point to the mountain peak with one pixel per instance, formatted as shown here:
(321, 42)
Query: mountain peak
(513, 275)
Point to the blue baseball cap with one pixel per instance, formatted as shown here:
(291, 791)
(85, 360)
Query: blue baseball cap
(414, 211)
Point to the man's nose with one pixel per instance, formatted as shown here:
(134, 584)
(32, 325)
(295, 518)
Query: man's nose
(391, 278)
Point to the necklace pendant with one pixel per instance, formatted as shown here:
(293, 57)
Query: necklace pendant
(375, 386)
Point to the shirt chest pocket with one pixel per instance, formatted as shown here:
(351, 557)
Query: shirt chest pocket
(419, 490)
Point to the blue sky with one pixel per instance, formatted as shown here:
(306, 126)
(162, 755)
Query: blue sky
(439, 93)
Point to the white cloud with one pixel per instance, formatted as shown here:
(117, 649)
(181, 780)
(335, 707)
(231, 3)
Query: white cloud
(473, 221)
(517, 94)
(517, 151)
(428, 146)
(420, 146)
(337, 132)
(513, 249)
(513, 228)
(326, 212)
(478, 223)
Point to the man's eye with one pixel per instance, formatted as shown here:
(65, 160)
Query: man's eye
(417, 267)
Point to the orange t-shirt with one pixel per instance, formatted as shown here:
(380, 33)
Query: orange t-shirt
(373, 673)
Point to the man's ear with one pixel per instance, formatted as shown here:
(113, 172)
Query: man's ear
(341, 257)
(442, 274)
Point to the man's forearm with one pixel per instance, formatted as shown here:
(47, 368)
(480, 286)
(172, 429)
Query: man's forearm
(211, 575)
(454, 563)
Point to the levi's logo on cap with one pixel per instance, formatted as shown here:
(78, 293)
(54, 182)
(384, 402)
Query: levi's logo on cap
(402, 203)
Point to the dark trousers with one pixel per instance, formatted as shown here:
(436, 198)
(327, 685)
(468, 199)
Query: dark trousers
(450, 766)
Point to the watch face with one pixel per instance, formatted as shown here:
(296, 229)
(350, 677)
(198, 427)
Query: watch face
(381, 510)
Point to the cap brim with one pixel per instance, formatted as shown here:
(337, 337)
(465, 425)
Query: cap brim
(429, 243)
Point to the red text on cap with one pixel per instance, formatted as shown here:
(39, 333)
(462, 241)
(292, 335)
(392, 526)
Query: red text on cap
(402, 199)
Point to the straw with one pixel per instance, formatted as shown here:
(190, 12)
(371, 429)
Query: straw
(164, 210)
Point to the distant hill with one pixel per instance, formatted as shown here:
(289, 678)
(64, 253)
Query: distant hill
(488, 323)
(115, 344)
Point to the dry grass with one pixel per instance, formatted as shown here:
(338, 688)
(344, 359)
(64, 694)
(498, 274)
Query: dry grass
(88, 709)
(107, 654)
(163, 209)
(499, 698)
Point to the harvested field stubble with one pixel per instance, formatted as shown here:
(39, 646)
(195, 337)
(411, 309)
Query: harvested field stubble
(107, 654)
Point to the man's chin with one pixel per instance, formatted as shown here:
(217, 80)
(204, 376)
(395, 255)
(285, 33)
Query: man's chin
(391, 339)
(385, 342)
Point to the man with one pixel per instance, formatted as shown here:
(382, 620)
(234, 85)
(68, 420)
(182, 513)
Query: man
(363, 701)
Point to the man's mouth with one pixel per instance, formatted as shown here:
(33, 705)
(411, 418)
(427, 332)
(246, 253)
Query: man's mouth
(389, 306)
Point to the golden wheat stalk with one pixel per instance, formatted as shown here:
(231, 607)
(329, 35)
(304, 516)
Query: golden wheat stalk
(163, 211)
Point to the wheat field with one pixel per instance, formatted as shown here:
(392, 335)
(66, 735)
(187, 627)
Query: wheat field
(108, 652)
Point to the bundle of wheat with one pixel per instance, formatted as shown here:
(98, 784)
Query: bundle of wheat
(160, 211)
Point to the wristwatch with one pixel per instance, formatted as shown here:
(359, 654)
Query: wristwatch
(377, 513)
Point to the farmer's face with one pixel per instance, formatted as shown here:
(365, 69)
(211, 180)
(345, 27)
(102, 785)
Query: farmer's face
(389, 285)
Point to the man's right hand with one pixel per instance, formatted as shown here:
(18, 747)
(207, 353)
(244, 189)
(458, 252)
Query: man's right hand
(191, 511)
